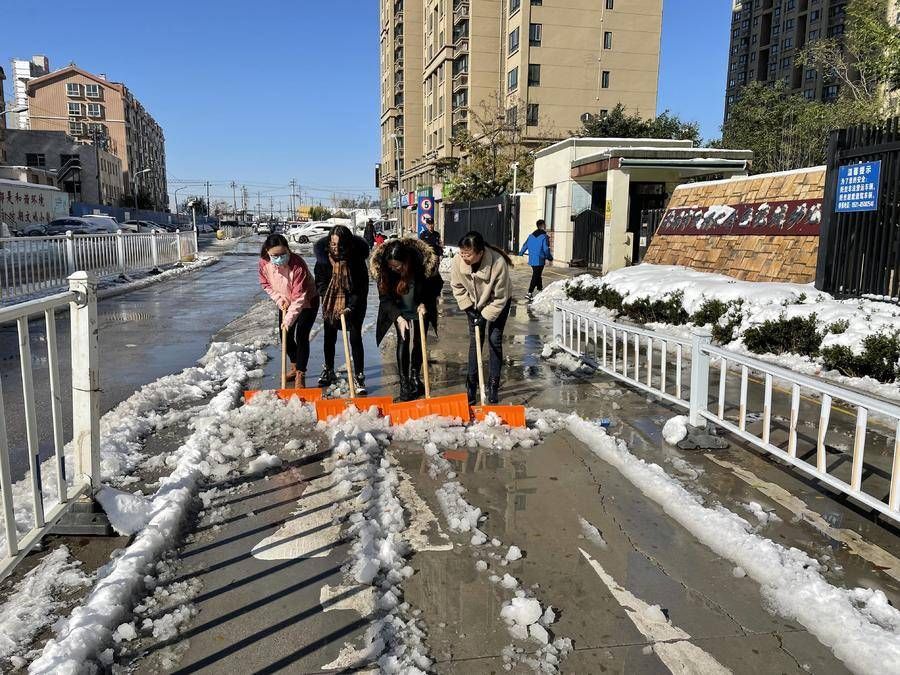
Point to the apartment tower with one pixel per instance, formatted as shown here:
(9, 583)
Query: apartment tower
(23, 71)
(92, 109)
(545, 63)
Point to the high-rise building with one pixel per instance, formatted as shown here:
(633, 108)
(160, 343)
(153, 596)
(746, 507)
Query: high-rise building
(2, 119)
(544, 63)
(24, 70)
(92, 109)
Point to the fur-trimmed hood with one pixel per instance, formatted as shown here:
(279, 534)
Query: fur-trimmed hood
(320, 248)
(430, 261)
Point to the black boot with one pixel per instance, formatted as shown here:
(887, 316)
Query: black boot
(361, 385)
(416, 386)
(493, 391)
(472, 390)
(405, 389)
(326, 379)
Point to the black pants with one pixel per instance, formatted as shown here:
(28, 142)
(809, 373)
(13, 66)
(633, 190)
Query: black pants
(409, 350)
(537, 278)
(298, 336)
(330, 335)
(494, 332)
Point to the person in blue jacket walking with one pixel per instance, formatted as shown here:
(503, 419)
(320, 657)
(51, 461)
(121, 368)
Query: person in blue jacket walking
(538, 247)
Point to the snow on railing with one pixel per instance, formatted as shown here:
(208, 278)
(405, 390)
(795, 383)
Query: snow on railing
(30, 265)
(49, 489)
(804, 401)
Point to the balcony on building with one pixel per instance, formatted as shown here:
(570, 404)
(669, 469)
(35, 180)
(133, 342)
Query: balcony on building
(460, 81)
(460, 11)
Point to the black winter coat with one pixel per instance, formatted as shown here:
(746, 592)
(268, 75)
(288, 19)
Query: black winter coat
(433, 239)
(427, 289)
(357, 297)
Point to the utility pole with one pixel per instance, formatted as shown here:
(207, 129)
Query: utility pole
(271, 207)
(258, 212)
(293, 187)
(208, 205)
(233, 201)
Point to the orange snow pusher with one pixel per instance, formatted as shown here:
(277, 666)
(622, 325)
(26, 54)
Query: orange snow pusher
(512, 415)
(332, 407)
(305, 395)
(454, 405)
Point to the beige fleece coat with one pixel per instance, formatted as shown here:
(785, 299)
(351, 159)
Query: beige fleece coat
(487, 290)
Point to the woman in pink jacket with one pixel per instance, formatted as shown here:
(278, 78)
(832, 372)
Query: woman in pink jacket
(285, 277)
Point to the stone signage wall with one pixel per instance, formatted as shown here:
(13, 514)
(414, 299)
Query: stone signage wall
(759, 228)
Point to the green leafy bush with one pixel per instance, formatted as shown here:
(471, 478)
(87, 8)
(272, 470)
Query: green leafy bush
(601, 296)
(880, 358)
(798, 335)
(710, 312)
(839, 326)
(724, 330)
(669, 309)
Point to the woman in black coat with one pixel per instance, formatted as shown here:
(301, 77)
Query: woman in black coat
(343, 284)
(406, 271)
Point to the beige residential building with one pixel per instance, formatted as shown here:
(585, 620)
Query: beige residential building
(91, 109)
(547, 62)
(2, 119)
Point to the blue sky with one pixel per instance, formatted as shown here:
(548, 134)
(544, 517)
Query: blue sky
(267, 91)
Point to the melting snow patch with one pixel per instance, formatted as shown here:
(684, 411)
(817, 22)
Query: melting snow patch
(514, 553)
(592, 534)
(263, 463)
(675, 430)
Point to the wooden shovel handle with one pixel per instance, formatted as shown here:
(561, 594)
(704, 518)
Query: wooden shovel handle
(350, 379)
(425, 355)
(480, 365)
(283, 357)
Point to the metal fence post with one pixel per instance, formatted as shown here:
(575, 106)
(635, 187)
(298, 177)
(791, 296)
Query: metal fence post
(178, 253)
(700, 338)
(70, 251)
(557, 325)
(196, 242)
(120, 249)
(85, 335)
(154, 250)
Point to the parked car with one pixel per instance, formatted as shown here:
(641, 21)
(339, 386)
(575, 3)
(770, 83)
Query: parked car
(70, 224)
(100, 224)
(30, 230)
(263, 228)
(205, 228)
(141, 226)
(304, 233)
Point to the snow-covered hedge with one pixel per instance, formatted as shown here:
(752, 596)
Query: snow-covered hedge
(859, 338)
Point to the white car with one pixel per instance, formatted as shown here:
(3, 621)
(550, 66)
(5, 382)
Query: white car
(306, 233)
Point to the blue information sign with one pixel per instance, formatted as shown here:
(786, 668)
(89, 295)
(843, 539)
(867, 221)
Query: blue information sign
(425, 209)
(857, 188)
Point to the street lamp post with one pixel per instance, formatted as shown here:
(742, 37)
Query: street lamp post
(396, 138)
(134, 188)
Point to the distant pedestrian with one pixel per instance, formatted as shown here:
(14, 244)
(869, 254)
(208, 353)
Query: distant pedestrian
(343, 282)
(538, 248)
(479, 277)
(379, 239)
(432, 237)
(369, 233)
(406, 271)
(286, 279)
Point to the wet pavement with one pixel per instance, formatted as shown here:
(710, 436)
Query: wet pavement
(290, 614)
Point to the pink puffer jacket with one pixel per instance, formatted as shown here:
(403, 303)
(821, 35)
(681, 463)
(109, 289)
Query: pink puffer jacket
(293, 284)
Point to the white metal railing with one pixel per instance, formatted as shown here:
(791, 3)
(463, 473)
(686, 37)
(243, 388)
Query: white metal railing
(654, 362)
(48, 499)
(235, 231)
(30, 265)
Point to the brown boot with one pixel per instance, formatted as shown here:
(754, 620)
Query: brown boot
(291, 373)
(300, 380)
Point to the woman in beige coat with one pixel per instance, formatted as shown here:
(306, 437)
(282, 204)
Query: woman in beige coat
(479, 277)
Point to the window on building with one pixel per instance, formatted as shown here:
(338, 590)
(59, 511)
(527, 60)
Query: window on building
(810, 73)
(789, 24)
(815, 15)
(532, 116)
(537, 2)
(512, 116)
(512, 79)
(604, 79)
(534, 74)
(549, 205)
(831, 91)
(609, 4)
(607, 40)
(814, 34)
(35, 159)
(63, 158)
(514, 41)
(74, 109)
(534, 34)
(604, 112)
(809, 94)
(73, 89)
(788, 43)
(92, 90)
(75, 128)
(514, 6)
(94, 110)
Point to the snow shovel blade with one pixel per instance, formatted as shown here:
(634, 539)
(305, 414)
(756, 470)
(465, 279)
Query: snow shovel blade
(453, 406)
(332, 407)
(511, 415)
(305, 395)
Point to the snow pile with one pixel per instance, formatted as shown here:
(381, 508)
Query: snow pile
(461, 516)
(675, 430)
(592, 534)
(858, 624)
(89, 628)
(378, 550)
(764, 517)
(35, 601)
(127, 512)
(263, 463)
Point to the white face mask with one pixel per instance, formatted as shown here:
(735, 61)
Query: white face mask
(280, 260)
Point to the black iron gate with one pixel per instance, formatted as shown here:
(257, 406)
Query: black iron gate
(650, 220)
(587, 247)
(859, 253)
(493, 218)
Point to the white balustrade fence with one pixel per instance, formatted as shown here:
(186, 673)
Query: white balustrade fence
(766, 405)
(30, 265)
(235, 231)
(48, 498)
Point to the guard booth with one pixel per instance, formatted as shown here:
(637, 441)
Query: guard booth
(591, 192)
(859, 238)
